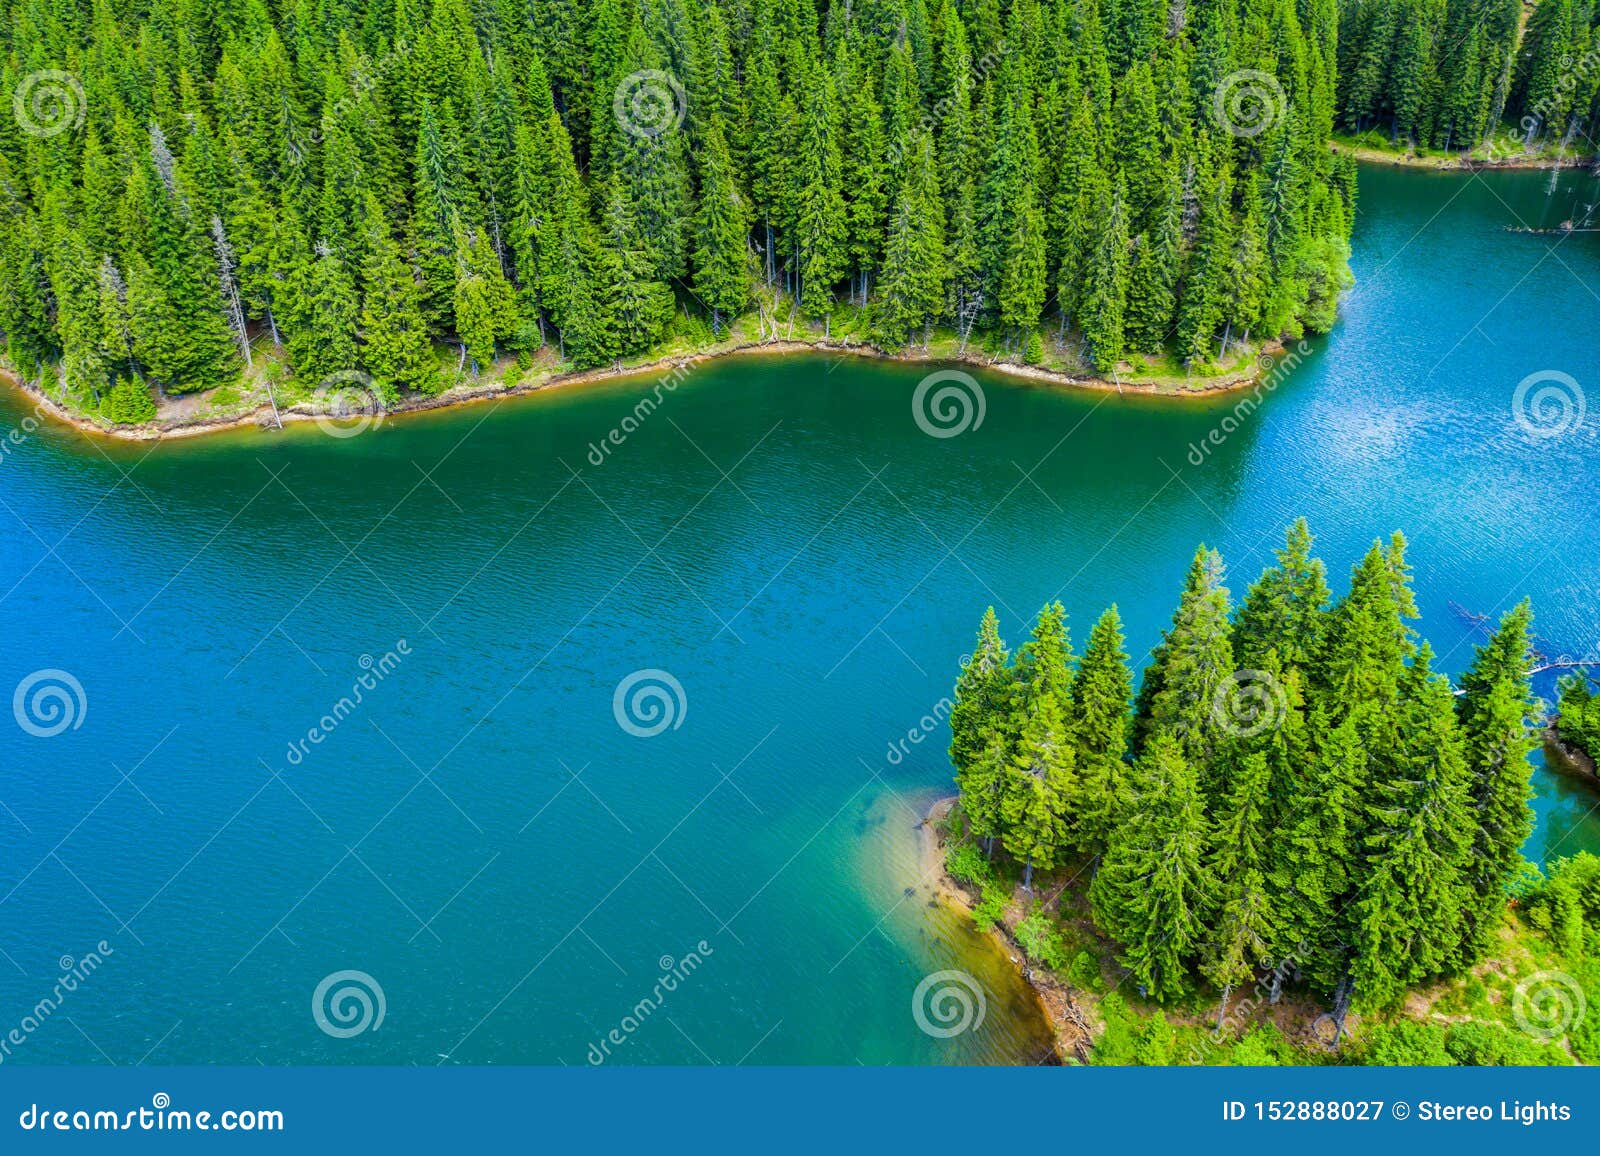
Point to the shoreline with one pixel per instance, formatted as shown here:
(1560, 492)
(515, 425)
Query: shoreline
(1569, 758)
(1074, 1037)
(161, 429)
(1460, 163)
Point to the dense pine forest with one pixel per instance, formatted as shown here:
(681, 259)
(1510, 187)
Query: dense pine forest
(1448, 74)
(410, 191)
(1294, 789)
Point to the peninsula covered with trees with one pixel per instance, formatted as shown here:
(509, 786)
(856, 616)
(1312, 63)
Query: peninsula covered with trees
(1294, 794)
(417, 191)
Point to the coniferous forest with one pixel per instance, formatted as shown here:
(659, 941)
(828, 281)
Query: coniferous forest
(411, 190)
(1447, 74)
(1295, 788)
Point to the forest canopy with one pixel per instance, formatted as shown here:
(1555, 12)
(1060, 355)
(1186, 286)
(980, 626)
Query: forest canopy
(189, 189)
(1293, 788)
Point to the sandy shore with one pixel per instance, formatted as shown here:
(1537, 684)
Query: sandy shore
(1069, 1021)
(166, 428)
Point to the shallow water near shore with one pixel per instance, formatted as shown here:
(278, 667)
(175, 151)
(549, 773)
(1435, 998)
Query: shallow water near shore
(515, 869)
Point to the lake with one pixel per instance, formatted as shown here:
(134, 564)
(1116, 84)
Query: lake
(639, 749)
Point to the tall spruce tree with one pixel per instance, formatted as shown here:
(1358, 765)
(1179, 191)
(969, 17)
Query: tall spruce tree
(980, 729)
(1498, 714)
(1151, 893)
(1099, 713)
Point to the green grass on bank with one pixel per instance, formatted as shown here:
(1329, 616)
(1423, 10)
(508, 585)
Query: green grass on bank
(774, 319)
(1504, 148)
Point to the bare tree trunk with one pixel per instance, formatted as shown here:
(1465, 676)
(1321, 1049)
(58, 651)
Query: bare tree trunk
(230, 289)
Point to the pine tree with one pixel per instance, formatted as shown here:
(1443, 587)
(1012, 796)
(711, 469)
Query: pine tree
(1285, 608)
(1498, 715)
(1193, 661)
(1368, 642)
(1098, 711)
(1041, 779)
(1245, 917)
(821, 224)
(721, 232)
(394, 331)
(1153, 280)
(1150, 892)
(653, 172)
(484, 303)
(913, 283)
(1205, 291)
(1321, 857)
(979, 722)
(1103, 314)
(437, 200)
(639, 305)
(1410, 905)
(323, 342)
(1245, 285)
(866, 171)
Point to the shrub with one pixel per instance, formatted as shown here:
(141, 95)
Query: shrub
(1261, 1047)
(1117, 1043)
(965, 862)
(1041, 939)
(1484, 1045)
(1408, 1044)
(1157, 1042)
(129, 402)
(1084, 974)
(992, 906)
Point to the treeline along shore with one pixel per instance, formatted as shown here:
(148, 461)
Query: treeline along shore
(270, 206)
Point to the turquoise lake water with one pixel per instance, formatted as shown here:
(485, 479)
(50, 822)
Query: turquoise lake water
(516, 870)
